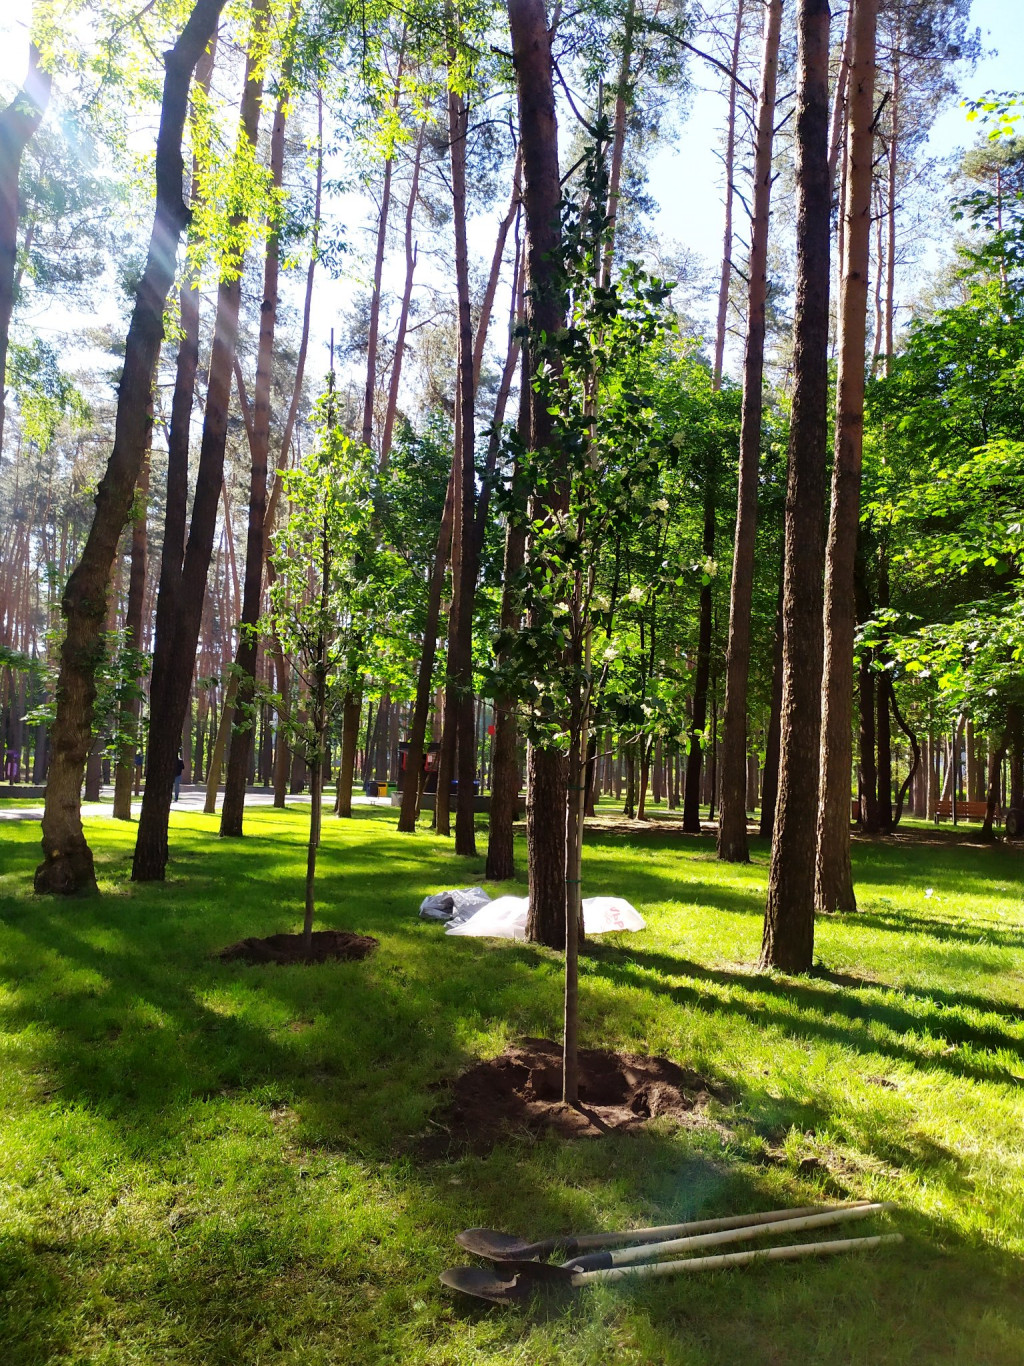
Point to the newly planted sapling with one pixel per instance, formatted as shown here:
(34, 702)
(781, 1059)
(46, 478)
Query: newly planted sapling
(587, 482)
(323, 557)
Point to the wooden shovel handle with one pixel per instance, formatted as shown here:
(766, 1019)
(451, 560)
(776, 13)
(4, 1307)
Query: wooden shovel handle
(585, 1241)
(761, 1254)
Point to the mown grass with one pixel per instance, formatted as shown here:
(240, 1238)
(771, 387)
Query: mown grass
(209, 1163)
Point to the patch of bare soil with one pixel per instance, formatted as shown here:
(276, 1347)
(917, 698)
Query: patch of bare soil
(328, 946)
(522, 1089)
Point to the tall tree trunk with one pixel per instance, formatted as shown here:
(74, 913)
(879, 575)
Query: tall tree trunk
(18, 125)
(411, 253)
(994, 773)
(834, 871)
(531, 44)
(866, 679)
(788, 941)
(505, 763)
(1015, 797)
(172, 551)
(129, 720)
(282, 752)
(730, 165)
(691, 790)
(233, 809)
(352, 710)
(883, 741)
(773, 740)
(497, 257)
(839, 98)
(170, 690)
(421, 706)
(915, 750)
(464, 543)
(370, 390)
(318, 717)
(623, 100)
(890, 253)
(68, 863)
(732, 829)
(883, 728)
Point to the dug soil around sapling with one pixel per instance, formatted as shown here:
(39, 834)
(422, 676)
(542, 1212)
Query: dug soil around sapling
(521, 1089)
(328, 946)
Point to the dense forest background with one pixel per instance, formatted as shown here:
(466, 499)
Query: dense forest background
(397, 462)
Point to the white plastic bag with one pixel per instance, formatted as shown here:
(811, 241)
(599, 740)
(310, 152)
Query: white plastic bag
(501, 919)
(463, 901)
(506, 918)
(602, 914)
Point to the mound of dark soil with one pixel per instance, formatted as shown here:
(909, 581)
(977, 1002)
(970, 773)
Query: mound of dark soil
(522, 1089)
(328, 945)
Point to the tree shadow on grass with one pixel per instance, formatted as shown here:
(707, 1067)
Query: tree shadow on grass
(799, 1007)
(937, 996)
(302, 1282)
(983, 933)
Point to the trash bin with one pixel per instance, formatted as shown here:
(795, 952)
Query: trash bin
(382, 790)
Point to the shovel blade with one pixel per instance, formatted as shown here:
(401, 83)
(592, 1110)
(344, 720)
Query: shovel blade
(485, 1285)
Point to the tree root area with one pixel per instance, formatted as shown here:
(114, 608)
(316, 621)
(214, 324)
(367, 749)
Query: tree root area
(522, 1089)
(328, 946)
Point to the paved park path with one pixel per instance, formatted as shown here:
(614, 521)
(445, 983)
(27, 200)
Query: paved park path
(191, 799)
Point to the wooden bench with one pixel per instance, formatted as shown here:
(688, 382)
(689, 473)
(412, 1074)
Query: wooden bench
(965, 811)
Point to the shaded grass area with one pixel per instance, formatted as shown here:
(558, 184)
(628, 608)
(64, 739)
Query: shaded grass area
(205, 1162)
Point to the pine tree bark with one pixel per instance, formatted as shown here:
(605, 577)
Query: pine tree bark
(282, 752)
(421, 706)
(730, 164)
(834, 871)
(883, 741)
(732, 813)
(18, 125)
(883, 726)
(895, 133)
(702, 674)
(170, 690)
(547, 796)
(68, 863)
(370, 390)
(770, 780)
(788, 941)
(172, 551)
(394, 385)
(464, 543)
(233, 809)
(1015, 725)
(352, 710)
(623, 100)
(505, 755)
(124, 771)
(994, 773)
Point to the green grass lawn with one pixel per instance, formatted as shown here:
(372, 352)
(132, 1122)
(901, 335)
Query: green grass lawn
(212, 1164)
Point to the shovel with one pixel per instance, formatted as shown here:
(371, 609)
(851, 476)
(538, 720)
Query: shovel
(504, 1247)
(485, 1285)
(602, 1261)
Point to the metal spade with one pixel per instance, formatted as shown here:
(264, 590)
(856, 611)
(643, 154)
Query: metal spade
(601, 1261)
(481, 1284)
(505, 1247)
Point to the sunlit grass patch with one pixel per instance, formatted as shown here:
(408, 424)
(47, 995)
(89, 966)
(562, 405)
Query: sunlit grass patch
(206, 1162)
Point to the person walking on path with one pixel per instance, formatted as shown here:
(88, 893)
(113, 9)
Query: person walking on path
(179, 769)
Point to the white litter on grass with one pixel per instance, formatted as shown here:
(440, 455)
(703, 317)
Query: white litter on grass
(505, 918)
